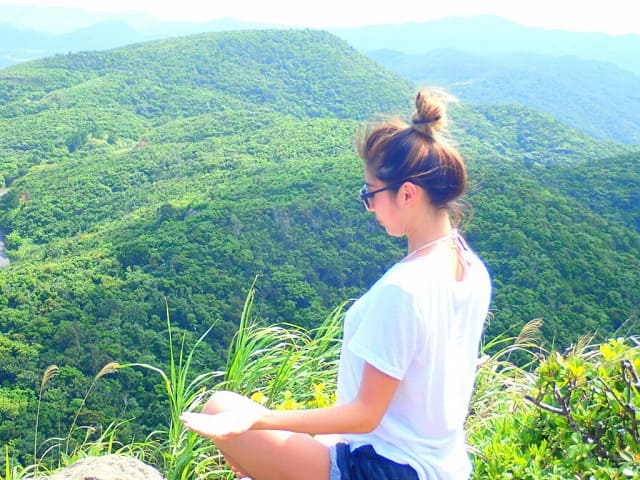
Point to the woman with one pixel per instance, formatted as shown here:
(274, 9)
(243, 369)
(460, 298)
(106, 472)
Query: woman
(410, 346)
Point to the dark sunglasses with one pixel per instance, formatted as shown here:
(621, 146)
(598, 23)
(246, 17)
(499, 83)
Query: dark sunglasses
(365, 195)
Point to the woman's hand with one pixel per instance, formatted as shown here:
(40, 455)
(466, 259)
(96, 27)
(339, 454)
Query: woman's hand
(221, 425)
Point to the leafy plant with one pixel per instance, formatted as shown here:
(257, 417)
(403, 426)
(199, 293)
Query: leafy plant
(589, 399)
(12, 471)
(182, 453)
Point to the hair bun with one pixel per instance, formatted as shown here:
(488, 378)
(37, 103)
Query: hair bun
(430, 115)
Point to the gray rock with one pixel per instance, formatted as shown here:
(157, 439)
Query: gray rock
(108, 467)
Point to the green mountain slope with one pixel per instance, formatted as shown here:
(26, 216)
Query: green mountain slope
(305, 74)
(611, 188)
(597, 98)
(183, 169)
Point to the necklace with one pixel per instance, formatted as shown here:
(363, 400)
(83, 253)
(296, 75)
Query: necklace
(411, 254)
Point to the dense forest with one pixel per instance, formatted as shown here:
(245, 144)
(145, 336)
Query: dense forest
(180, 170)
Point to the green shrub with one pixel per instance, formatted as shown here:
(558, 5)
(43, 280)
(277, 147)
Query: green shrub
(579, 418)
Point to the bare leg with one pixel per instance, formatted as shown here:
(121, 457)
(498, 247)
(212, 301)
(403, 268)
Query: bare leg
(233, 465)
(269, 454)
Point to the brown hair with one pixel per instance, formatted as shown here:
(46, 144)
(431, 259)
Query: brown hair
(397, 152)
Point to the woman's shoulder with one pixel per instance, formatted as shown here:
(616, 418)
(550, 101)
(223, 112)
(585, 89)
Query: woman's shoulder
(432, 275)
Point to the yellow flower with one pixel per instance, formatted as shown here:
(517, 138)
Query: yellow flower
(289, 402)
(259, 397)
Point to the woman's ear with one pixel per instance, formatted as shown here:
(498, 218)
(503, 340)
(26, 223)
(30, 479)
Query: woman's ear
(409, 193)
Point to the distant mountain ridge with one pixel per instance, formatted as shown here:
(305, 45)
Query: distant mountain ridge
(216, 63)
(483, 34)
(491, 35)
(29, 32)
(19, 45)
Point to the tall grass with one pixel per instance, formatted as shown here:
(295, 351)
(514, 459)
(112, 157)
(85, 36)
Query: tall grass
(501, 385)
(279, 360)
(110, 367)
(14, 472)
(54, 454)
(50, 372)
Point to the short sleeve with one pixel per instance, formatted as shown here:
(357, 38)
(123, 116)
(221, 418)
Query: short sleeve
(387, 334)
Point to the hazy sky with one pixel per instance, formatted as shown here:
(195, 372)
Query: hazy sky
(607, 16)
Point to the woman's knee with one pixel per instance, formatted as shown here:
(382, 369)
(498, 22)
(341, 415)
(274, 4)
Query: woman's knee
(224, 400)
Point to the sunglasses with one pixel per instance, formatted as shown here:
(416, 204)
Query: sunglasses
(365, 195)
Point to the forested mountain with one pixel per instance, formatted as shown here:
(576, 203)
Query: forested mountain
(598, 98)
(180, 170)
(598, 186)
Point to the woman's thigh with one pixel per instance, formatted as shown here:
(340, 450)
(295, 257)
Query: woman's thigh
(270, 454)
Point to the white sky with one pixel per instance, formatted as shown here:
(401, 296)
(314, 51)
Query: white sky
(607, 16)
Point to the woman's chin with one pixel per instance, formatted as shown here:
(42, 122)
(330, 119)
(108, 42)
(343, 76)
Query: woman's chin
(392, 233)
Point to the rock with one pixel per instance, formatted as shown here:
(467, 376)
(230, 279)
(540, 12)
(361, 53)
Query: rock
(108, 467)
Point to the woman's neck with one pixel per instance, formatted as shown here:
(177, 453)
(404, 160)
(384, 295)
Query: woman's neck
(428, 229)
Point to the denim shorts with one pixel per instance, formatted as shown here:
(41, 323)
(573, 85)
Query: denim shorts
(365, 464)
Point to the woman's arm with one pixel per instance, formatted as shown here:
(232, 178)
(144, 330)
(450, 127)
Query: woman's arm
(361, 415)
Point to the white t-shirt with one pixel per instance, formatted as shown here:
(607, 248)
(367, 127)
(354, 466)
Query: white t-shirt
(421, 326)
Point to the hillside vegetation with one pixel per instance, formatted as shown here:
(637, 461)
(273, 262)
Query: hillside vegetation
(180, 170)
